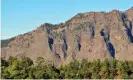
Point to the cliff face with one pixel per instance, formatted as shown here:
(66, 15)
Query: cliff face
(92, 35)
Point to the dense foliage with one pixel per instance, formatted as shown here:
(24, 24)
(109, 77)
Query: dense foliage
(24, 68)
(5, 42)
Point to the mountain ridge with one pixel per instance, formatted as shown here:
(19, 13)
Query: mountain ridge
(90, 35)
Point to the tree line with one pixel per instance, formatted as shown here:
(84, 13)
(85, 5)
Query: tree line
(24, 68)
(4, 43)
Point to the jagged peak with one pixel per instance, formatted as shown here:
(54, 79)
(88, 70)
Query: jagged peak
(68, 22)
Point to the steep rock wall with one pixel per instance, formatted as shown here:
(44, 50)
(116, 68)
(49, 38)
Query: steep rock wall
(93, 35)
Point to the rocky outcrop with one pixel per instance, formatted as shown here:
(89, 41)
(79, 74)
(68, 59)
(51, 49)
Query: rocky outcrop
(92, 35)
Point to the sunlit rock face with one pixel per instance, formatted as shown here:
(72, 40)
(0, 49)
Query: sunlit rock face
(92, 35)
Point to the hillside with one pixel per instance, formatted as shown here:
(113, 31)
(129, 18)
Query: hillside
(91, 35)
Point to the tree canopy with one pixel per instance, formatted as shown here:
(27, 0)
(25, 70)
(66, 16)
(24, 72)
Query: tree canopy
(24, 68)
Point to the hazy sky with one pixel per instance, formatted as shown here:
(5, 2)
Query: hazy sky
(20, 16)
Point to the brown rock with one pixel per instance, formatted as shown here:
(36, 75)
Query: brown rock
(92, 35)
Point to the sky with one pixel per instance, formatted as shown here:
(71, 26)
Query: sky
(21, 16)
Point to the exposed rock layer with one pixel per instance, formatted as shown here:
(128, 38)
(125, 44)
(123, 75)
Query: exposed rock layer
(92, 35)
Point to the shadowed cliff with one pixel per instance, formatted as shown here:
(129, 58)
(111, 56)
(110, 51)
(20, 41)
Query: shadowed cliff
(91, 35)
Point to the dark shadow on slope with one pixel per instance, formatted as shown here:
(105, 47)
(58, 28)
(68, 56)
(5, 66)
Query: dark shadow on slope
(51, 42)
(65, 47)
(101, 32)
(130, 25)
(92, 32)
(128, 28)
(109, 45)
(79, 45)
(129, 34)
(111, 49)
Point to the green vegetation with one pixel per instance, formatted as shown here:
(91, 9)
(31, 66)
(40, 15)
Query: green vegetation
(5, 42)
(50, 26)
(24, 68)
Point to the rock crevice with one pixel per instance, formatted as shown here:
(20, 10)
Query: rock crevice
(108, 43)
